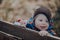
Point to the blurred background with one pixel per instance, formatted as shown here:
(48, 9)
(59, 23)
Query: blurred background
(11, 10)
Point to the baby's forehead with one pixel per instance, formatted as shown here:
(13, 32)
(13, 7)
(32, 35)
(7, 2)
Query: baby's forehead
(41, 16)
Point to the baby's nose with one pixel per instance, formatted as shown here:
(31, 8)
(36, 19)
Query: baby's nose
(44, 23)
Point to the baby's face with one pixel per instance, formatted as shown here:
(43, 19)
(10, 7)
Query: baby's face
(41, 22)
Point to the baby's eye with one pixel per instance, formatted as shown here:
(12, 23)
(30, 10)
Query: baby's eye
(41, 20)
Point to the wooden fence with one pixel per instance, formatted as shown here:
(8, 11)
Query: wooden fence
(12, 32)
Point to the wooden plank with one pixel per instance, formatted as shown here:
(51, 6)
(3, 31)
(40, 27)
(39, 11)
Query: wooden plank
(5, 36)
(24, 33)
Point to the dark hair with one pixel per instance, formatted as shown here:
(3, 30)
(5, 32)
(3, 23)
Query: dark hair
(43, 10)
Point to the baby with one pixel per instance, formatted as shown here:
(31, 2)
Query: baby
(41, 22)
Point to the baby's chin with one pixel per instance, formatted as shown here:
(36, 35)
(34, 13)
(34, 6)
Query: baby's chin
(42, 29)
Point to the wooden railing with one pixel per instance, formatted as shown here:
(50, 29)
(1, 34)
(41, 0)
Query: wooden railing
(10, 31)
(5, 36)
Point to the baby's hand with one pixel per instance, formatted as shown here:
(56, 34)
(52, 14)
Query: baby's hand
(44, 33)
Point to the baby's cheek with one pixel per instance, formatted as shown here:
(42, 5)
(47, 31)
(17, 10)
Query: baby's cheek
(37, 24)
(47, 24)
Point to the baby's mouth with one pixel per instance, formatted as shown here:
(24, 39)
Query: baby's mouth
(43, 27)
